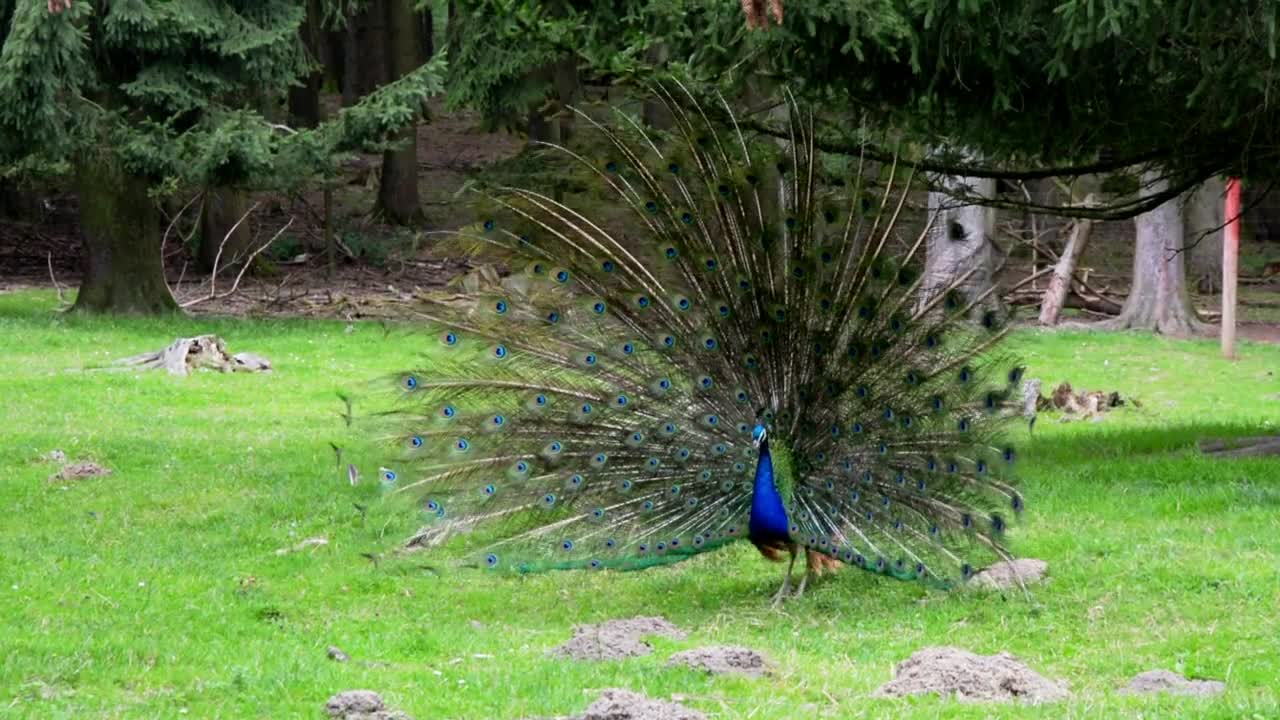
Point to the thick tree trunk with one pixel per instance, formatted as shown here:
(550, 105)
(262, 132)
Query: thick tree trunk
(123, 271)
(1204, 221)
(365, 52)
(333, 52)
(398, 193)
(959, 241)
(221, 239)
(304, 100)
(1158, 299)
(549, 121)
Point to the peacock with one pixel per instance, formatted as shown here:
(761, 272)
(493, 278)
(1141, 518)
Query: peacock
(740, 346)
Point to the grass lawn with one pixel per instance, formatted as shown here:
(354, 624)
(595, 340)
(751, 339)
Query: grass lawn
(157, 592)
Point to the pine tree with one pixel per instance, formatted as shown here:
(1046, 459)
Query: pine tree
(133, 99)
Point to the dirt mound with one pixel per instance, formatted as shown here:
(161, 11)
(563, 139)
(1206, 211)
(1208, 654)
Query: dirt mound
(361, 705)
(79, 471)
(626, 705)
(970, 678)
(719, 659)
(1005, 575)
(616, 639)
(1157, 681)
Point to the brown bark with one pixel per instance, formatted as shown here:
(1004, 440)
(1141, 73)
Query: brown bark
(123, 272)
(1158, 299)
(398, 192)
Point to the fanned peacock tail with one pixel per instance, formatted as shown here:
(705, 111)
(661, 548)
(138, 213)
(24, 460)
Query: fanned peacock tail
(596, 409)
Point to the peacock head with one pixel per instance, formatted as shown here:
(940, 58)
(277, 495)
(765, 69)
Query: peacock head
(758, 434)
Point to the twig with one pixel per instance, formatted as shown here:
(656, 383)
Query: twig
(1030, 278)
(164, 239)
(240, 275)
(1035, 233)
(213, 276)
(56, 285)
(181, 275)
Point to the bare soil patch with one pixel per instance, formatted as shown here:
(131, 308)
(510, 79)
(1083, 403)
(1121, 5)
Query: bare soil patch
(1166, 681)
(616, 639)
(723, 659)
(950, 671)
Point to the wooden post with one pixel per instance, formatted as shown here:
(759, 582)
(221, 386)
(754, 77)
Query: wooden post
(1230, 266)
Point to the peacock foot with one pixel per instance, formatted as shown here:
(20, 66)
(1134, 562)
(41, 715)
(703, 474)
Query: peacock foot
(781, 595)
(804, 582)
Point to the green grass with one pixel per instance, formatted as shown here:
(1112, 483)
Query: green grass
(156, 592)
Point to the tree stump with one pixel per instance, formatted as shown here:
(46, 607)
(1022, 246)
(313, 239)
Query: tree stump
(184, 355)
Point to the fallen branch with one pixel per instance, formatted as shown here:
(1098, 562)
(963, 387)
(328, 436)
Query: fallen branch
(1076, 301)
(1060, 283)
(1097, 293)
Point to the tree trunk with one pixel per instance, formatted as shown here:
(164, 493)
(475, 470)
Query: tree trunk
(221, 239)
(365, 52)
(1158, 299)
(1261, 219)
(453, 29)
(333, 46)
(1204, 221)
(123, 271)
(426, 34)
(549, 121)
(1060, 281)
(398, 192)
(959, 241)
(304, 100)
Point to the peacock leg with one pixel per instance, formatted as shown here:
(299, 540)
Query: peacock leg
(786, 581)
(803, 582)
(808, 572)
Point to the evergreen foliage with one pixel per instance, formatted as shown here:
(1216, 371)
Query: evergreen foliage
(1040, 88)
(178, 93)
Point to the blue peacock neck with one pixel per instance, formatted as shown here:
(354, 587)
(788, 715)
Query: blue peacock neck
(769, 520)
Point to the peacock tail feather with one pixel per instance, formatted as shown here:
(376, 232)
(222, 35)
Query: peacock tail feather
(595, 408)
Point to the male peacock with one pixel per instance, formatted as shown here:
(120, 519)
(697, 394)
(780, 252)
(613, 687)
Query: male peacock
(741, 360)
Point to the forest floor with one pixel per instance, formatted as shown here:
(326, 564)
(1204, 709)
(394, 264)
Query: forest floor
(191, 581)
